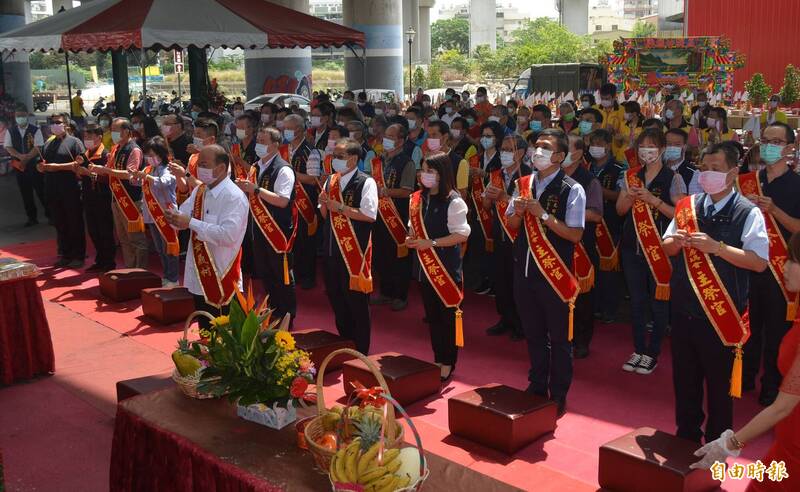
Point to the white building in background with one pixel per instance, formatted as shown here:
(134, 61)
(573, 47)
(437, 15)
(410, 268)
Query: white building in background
(604, 18)
(507, 19)
(634, 9)
(330, 10)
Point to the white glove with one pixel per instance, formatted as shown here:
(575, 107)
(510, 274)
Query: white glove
(716, 450)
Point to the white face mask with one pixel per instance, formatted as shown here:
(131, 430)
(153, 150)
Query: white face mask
(198, 142)
(21, 120)
(506, 159)
(773, 104)
(606, 103)
(541, 159)
(567, 160)
(316, 121)
(237, 113)
(339, 165)
(288, 135)
(240, 134)
(104, 123)
(280, 124)
(137, 126)
(448, 110)
(669, 114)
(205, 175)
(265, 117)
(628, 116)
(261, 150)
(713, 182)
(166, 129)
(412, 124)
(378, 111)
(428, 179)
(388, 144)
(434, 144)
(455, 133)
(88, 143)
(597, 152)
(585, 105)
(648, 155)
(702, 104)
(711, 123)
(116, 137)
(494, 118)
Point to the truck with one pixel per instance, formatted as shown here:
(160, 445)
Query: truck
(559, 78)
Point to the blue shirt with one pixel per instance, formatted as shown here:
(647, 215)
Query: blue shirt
(163, 188)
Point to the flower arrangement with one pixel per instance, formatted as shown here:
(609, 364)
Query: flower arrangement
(251, 359)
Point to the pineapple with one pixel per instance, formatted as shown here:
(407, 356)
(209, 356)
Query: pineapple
(368, 428)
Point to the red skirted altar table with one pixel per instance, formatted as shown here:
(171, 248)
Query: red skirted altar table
(26, 349)
(167, 441)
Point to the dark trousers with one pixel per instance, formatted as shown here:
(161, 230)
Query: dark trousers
(66, 210)
(200, 304)
(29, 182)
(545, 322)
(305, 252)
(394, 274)
(583, 319)
(504, 286)
(700, 360)
(100, 224)
(350, 308)
(768, 325)
(442, 326)
(478, 262)
(609, 291)
(248, 261)
(642, 288)
(269, 268)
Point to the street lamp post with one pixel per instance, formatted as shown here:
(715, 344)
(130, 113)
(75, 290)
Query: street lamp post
(410, 33)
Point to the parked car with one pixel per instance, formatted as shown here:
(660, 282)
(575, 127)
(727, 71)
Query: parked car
(280, 99)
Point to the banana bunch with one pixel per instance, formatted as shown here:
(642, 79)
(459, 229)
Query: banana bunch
(351, 465)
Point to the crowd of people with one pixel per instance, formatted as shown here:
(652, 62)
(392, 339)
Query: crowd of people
(558, 211)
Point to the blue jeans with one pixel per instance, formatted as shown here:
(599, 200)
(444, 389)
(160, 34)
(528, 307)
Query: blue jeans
(642, 288)
(168, 262)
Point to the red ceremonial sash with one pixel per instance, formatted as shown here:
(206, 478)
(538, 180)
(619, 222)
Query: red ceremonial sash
(476, 193)
(327, 165)
(239, 165)
(501, 206)
(302, 200)
(650, 239)
(732, 329)
(550, 264)
(359, 265)
(269, 228)
(749, 184)
(218, 290)
(169, 234)
(632, 157)
(583, 268)
(446, 288)
(608, 250)
(123, 199)
(388, 210)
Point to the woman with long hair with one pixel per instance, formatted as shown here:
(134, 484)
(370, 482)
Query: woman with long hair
(437, 227)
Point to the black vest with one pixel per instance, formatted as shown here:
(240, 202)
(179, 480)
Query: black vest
(121, 163)
(299, 162)
(585, 178)
(323, 139)
(727, 226)
(266, 180)
(351, 196)
(660, 187)
(455, 162)
(608, 176)
(785, 193)
(554, 200)
(24, 143)
(392, 174)
(686, 170)
(434, 214)
(497, 229)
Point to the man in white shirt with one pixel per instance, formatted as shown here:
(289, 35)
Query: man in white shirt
(22, 141)
(218, 229)
(272, 182)
(348, 280)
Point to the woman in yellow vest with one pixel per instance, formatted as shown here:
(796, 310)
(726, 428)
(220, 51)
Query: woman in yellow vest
(717, 128)
(613, 113)
(773, 114)
(630, 129)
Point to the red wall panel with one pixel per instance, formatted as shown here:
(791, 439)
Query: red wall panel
(766, 31)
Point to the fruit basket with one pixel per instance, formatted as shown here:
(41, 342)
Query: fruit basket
(188, 382)
(315, 430)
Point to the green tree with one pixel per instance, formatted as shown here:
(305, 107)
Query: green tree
(435, 79)
(790, 92)
(455, 61)
(418, 79)
(643, 29)
(450, 34)
(758, 90)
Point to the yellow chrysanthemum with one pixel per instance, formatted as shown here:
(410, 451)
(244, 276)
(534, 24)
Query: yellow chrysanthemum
(221, 321)
(285, 340)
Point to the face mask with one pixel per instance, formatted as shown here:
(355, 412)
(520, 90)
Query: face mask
(378, 111)
(165, 129)
(195, 114)
(702, 104)
(412, 124)
(330, 146)
(673, 153)
(541, 159)
(606, 103)
(771, 153)
(535, 125)
(346, 101)
(388, 144)
(279, 124)
(487, 142)
(713, 182)
(261, 150)
(597, 152)
(648, 155)
(288, 135)
(585, 105)
(316, 121)
(104, 123)
(585, 127)
(198, 142)
(455, 133)
(57, 128)
(339, 165)
(22, 120)
(341, 123)
(568, 117)
(152, 161)
(428, 179)
(470, 121)
(628, 116)
(434, 144)
(137, 126)
(362, 104)
(507, 159)
(447, 97)
(711, 122)
(206, 176)
(240, 134)
(265, 117)
(448, 110)
(480, 99)
(669, 114)
(773, 104)
(116, 137)
(237, 113)
(567, 160)
(494, 118)
(433, 118)
(88, 143)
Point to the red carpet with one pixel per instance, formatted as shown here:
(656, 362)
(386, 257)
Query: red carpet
(603, 403)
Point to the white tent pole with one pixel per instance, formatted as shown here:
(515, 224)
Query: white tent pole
(144, 81)
(69, 85)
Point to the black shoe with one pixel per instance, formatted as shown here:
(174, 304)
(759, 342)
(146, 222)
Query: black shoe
(491, 292)
(399, 304)
(580, 352)
(31, 223)
(531, 391)
(445, 374)
(598, 315)
(767, 397)
(95, 268)
(562, 406)
(61, 263)
(607, 320)
(516, 336)
(484, 288)
(76, 264)
(497, 329)
(380, 300)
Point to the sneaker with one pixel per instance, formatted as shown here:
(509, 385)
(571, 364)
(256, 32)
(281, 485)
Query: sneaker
(633, 362)
(484, 288)
(646, 365)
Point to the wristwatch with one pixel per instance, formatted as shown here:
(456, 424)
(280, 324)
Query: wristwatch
(433, 243)
(544, 217)
(341, 207)
(256, 190)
